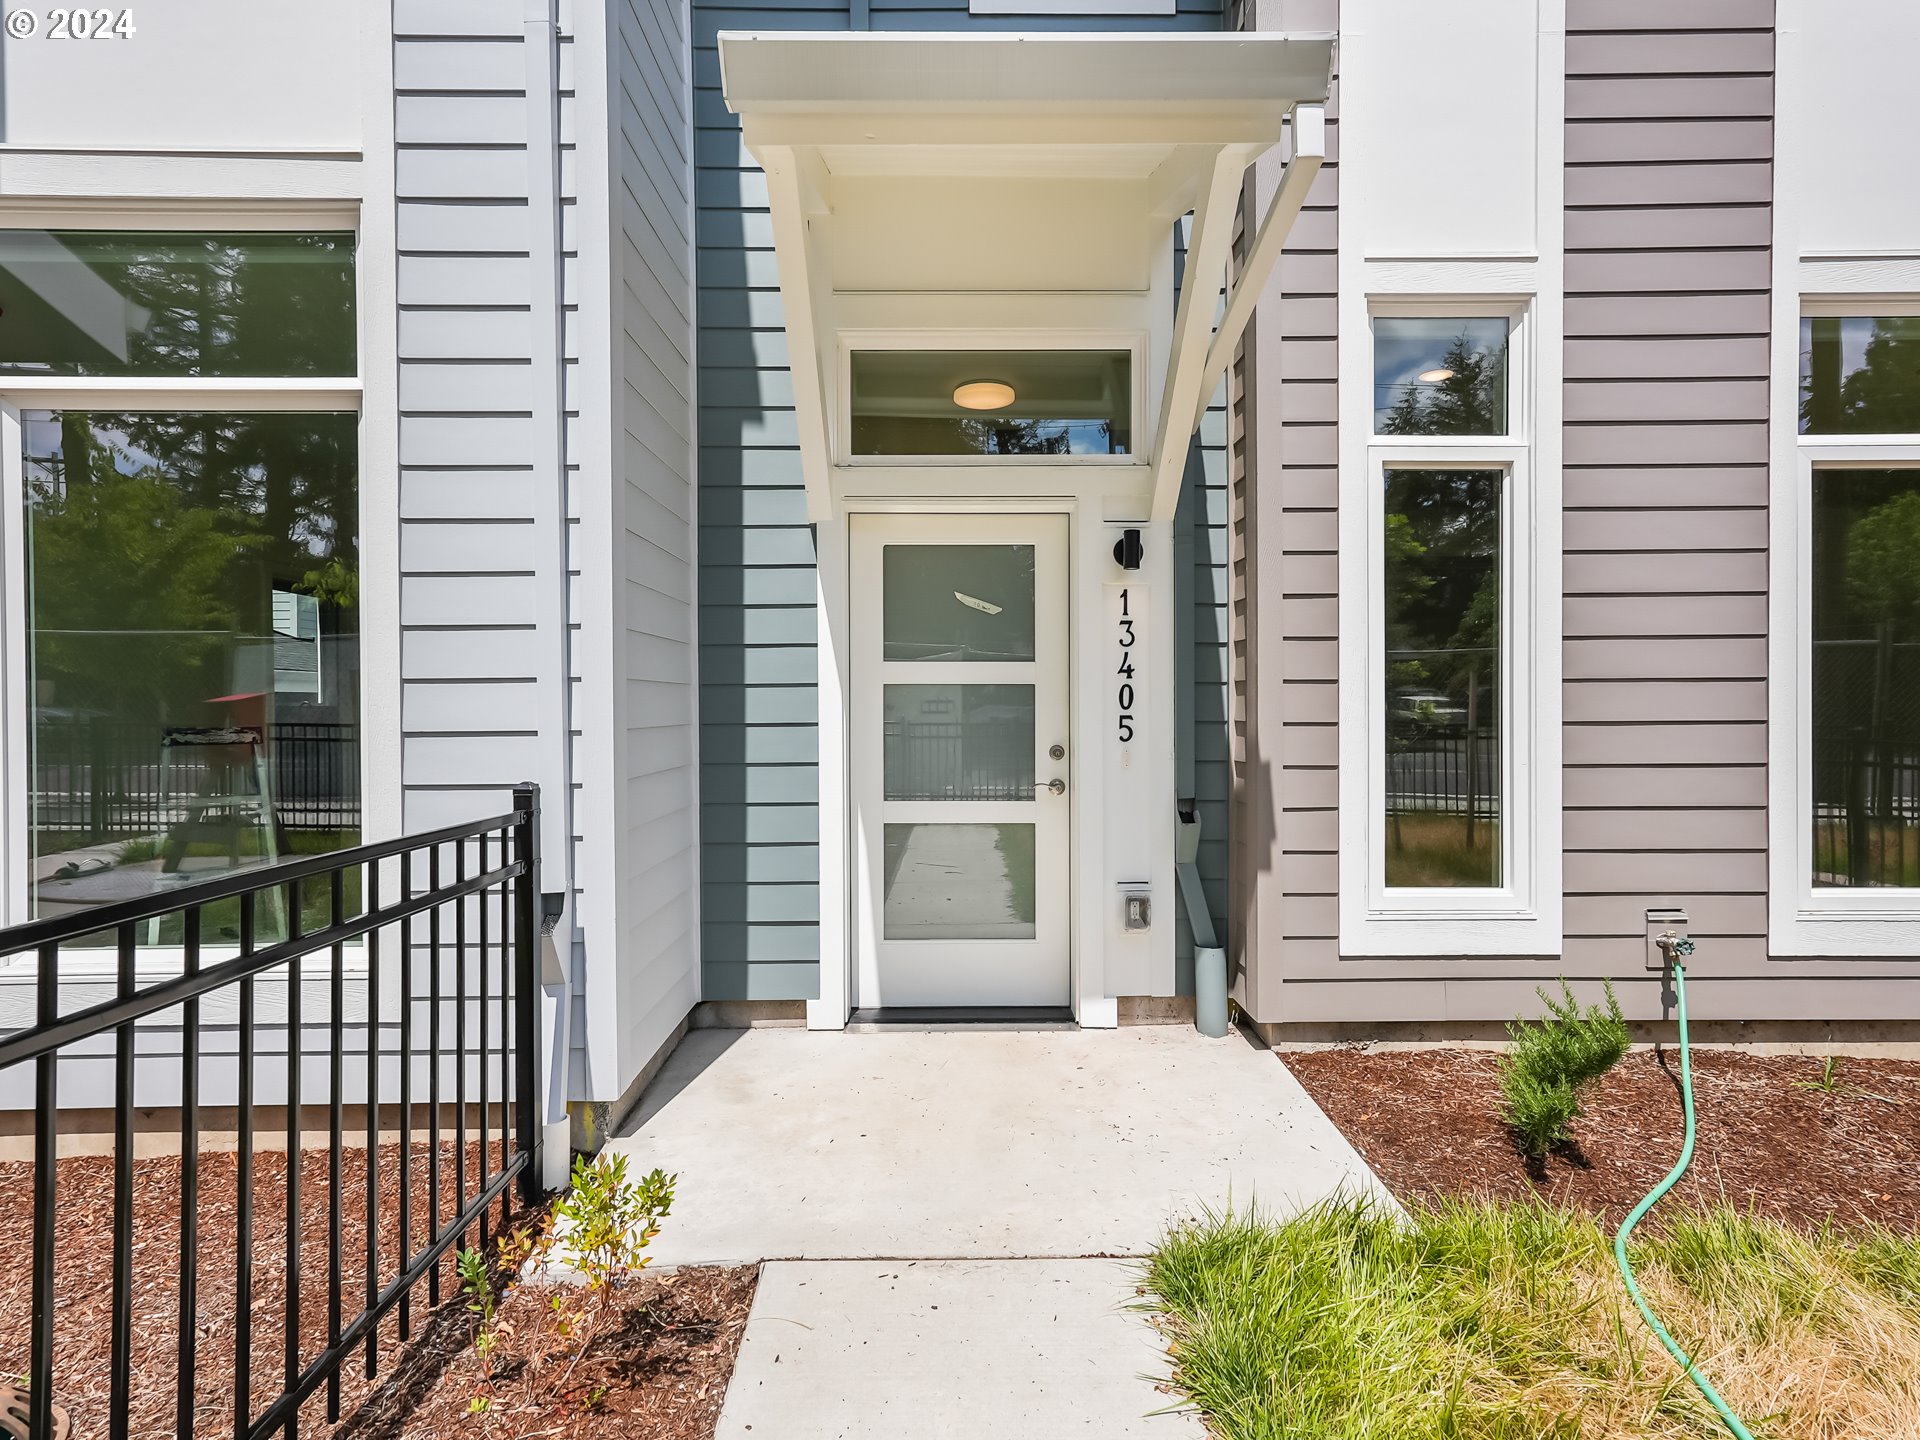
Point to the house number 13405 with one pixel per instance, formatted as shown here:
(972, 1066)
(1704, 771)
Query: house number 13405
(1123, 693)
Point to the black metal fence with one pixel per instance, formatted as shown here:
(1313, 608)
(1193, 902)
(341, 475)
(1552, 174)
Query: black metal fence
(1450, 775)
(437, 931)
(958, 760)
(97, 779)
(1866, 810)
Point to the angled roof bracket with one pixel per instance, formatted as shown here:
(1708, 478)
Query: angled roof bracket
(1309, 153)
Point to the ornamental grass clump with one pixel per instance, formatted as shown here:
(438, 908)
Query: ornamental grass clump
(1552, 1061)
(1482, 1320)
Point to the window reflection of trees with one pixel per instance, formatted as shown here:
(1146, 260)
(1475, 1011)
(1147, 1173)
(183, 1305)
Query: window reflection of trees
(163, 549)
(1442, 620)
(1876, 392)
(159, 525)
(191, 305)
(1865, 693)
(1470, 400)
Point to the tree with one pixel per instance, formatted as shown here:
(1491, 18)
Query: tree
(1881, 396)
(132, 608)
(1883, 564)
(1472, 400)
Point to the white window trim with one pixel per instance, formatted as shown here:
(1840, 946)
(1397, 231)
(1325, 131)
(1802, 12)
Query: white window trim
(1134, 342)
(20, 393)
(1805, 921)
(1523, 916)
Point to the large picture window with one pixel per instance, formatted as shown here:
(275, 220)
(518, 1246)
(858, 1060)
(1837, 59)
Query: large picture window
(192, 578)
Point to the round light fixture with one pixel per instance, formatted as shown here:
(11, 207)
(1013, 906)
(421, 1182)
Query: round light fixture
(1434, 377)
(983, 395)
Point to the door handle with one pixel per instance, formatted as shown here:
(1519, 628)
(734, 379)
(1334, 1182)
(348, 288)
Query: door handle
(1057, 786)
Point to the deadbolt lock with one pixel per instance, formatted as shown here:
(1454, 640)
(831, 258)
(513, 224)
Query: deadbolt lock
(1057, 752)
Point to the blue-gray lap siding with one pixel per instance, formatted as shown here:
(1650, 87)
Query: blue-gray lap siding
(759, 736)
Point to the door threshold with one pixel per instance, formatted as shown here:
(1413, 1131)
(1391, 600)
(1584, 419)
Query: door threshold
(962, 1017)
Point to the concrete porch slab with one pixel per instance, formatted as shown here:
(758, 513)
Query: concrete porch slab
(990, 1350)
(968, 1144)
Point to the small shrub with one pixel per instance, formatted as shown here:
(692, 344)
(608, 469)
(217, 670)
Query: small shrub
(605, 1224)
(138, 852)
(608, 1222)
(1552, 1060)
(476, 1283)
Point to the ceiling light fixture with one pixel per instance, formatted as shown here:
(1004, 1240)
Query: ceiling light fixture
(1434, 377)
(983, 395)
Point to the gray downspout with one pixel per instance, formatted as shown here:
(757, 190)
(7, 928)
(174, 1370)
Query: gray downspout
(549, 558)
(1187, 847)
(1209, 960)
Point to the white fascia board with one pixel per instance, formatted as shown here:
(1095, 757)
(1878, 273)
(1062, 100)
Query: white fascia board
(766, 72)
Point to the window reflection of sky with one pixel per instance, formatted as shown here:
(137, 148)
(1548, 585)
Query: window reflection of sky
(1406, 346)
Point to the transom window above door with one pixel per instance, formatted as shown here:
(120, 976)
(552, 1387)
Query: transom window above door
(1069, 404)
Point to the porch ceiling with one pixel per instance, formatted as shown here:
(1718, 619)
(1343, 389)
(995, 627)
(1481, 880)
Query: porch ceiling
(899, 164)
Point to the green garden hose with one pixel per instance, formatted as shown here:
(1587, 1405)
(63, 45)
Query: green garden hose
(1674, 947)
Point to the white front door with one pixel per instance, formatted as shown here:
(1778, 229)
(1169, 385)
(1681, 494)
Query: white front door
(960, 763)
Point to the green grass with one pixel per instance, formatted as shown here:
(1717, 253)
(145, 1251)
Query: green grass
(1484, 1321)
(1893, 852)
(1427, 850)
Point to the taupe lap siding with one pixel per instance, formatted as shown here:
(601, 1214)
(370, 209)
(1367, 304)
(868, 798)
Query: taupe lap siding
(1285, 496)
(1668, 227)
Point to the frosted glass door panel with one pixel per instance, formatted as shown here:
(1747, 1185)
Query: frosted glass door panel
(958, 602)
(959, 742)
(959, 882)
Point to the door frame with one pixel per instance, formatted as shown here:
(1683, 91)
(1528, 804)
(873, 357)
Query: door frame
(931, 525)
(838, 893)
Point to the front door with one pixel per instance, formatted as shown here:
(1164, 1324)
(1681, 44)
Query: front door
(960, 765)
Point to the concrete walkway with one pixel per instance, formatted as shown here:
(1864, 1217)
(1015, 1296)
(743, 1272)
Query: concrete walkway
(946, 1210)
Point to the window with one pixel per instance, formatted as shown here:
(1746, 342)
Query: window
(191, 585)
(1860, 375)
(1033, 403)
(1865, 697)
(1441, 846)
(1440, 376)
(1442, 597)
(175, 304)
(1859, 717)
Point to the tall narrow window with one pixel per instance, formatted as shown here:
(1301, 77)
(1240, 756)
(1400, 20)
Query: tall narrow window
(1866, 677)
(1860, 375)
(1442, 602)
(1449, 681)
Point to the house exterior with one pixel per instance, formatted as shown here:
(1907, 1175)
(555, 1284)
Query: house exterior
(948, 518)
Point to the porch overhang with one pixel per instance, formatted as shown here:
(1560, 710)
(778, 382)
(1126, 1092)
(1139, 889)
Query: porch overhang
(947, 182)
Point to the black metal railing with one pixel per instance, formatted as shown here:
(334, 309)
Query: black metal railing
(958, 760)
(1446, 775)
(97, 780)
(439, 929)
(1866, 809)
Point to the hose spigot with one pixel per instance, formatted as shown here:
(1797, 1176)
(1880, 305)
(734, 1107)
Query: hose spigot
(1674, 947)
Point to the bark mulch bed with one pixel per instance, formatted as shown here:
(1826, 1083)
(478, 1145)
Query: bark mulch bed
(659, 1372)
(1770, 1140)
(665, 1364)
